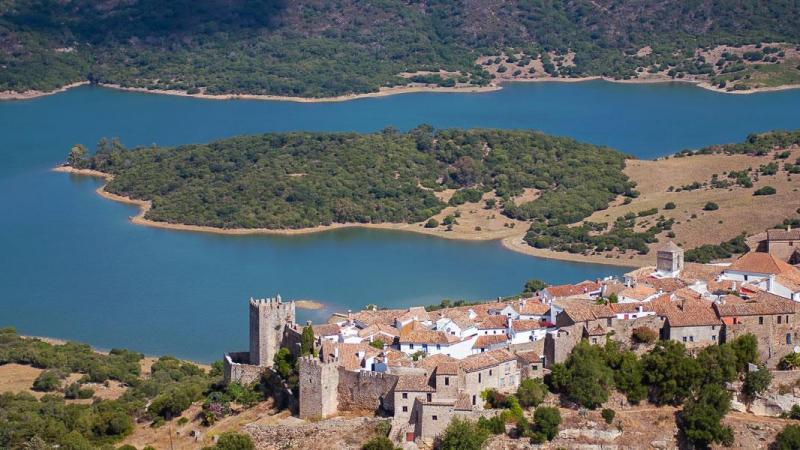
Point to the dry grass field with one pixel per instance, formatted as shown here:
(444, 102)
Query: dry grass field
(739, 210)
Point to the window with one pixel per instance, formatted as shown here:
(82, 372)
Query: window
(447, 381)
(473, 400)
(438, 347)
(788, 338)
(779, 319)
(429, 397)
(684, 339)
(490, 372)
(787, 319)
(594, 340)
(424, 347)
(411, 346)
(713, 338)
(761, 321)
(534, 367)
(691, 338)
(405, 408)
(479, 377)
(608, 322)
(713, 327)
(405, 394)
(434, 418)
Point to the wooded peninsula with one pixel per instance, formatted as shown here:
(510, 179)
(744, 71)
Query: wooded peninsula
(556, 187)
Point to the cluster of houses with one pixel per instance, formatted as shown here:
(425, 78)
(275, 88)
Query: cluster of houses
(429, 365)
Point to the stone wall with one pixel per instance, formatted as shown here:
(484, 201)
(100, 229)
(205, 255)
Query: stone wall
(318, 383)
(772, 340)
(236, 368)
(365, 391)
(268, 320)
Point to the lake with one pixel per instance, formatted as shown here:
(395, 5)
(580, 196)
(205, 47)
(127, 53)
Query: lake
(72, 266)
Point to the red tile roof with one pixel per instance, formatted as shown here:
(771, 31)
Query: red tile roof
(764, 263)
(762, 304)
(490, 340)
(413, 383)
(493, 323)
(485, 360)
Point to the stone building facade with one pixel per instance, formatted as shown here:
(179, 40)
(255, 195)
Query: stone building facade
(271, 320)
(319, 383)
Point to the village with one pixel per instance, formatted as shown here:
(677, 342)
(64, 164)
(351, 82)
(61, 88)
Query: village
(424, 366)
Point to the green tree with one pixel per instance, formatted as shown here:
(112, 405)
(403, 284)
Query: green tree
(710, 206)
(608, 415)
(75, 441)
(307, 341)
(462, 434)
(77, 156)
(670, 372)
(756, 382)
(531, 392)
(718, 363)
(669, 205)
(584, 377)
(534, 285)
(629, 376)
(431, 223)
(701, 418)
(746, 349)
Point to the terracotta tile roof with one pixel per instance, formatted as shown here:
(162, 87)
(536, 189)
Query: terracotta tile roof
(529, 357)
(493, 323)
(626, 308)
(664, 284)
(789, 282)
(485, 360)
(570, 290)
(414, 333)
(533, 307)
(526, 325)
(579, 310)
(398, 359)
(758, 262)
(460, 318)
(385, 316)
(463, 403)
(638, 292)
(783, 235)
(415, 313)
(429, 363)
(642, 272)
(669, 247)
(490, 340)
(691, 312)
(328, 329)
(379, 328)
(762, 304)
(447, 368)
(413, 383)
(700, 272)
(597, 331)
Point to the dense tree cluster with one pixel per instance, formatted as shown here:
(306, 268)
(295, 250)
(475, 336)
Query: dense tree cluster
(171, 387)
(298, 180)
(709, 252)
(314, 49)
(667, 374)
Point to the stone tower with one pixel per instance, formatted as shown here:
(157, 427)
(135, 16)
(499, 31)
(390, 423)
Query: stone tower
(669, 260)
(319, 388)
(268, 319)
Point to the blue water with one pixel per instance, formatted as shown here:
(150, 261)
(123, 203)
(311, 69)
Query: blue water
(72, 266)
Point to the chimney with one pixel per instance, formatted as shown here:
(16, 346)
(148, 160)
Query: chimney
(350, 315)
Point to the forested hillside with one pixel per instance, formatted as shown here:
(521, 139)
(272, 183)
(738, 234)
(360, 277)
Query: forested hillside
(317, 48)
(300, 180)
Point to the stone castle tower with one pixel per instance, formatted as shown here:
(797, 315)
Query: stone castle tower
(669, 260)
(319, 384)
(268, 320)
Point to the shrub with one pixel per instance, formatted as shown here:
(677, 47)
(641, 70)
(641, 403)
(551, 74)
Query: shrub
(47, 381)
(233, 441)
(74, 391)
(669, 205)
(379, 443)
(790, 361)
(431, 223)
(766, 190)
(546, 422)
(608, 415)
(462, 434)
(494, 425)
(531, 392)
(789, 438)
(534, 285)
(710, 206)
(756, 382)
(644, 335)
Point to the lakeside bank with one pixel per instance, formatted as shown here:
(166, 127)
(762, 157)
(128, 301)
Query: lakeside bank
(396, 90)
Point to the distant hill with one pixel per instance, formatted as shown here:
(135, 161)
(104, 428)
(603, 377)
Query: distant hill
(318, 48)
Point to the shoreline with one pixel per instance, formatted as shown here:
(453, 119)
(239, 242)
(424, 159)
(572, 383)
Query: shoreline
(398, 90)
(513, 243)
